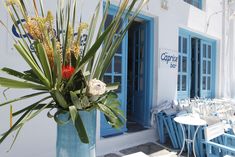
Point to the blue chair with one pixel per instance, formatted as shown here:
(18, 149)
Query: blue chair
(160, 127)
(218, 143)
(166, 122)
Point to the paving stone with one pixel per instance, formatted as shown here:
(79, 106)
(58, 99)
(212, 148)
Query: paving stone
(164, 153)
(147, 148)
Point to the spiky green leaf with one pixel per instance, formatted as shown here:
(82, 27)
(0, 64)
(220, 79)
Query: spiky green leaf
(73, 113)
(24, 76)
(22, 98)
(61, 100)
(81, 129)
(23, 52)
(75, 100)
(44, 61)
(10, 83)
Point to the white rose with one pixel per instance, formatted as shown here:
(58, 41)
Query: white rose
(96, 87)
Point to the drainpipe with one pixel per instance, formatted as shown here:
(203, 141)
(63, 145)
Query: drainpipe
(223, 48)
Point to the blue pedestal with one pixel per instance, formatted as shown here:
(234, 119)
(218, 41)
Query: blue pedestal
(68, 142)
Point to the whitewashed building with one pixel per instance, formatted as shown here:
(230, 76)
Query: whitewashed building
(175, 49)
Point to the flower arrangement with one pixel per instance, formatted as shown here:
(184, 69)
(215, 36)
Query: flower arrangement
(64, 68)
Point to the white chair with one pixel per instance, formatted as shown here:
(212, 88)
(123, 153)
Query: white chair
(219, 149)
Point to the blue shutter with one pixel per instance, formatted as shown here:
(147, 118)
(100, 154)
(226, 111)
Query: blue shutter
(206, 79)
(184, 67)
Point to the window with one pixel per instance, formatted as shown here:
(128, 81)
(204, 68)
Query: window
(196, 3)
(206, 69)
(195, 67)
(114, 72)
(183, 70)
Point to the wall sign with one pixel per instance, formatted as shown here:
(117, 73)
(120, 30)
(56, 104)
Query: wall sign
(168, 58)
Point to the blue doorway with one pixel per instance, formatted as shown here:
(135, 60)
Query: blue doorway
(139, 76)
(132, 66)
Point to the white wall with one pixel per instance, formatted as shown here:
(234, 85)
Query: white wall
(179, 14)
(33, 140)
(38, 136)
(166, 28)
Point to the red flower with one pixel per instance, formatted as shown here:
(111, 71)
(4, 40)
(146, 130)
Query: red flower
(67, 71)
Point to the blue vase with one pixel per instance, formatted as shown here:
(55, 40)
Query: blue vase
(68, 142)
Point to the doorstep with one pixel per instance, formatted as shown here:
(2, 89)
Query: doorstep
(144, 150)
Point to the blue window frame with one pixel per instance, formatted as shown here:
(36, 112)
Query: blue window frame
(183, 67)
(196, 3)
(196, 65)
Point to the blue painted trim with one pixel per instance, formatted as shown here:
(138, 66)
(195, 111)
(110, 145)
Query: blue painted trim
(196, 35)
(149, 68)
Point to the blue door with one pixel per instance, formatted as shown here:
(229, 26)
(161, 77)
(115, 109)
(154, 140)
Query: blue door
(116, 73)
(206, 70)
(138, 74)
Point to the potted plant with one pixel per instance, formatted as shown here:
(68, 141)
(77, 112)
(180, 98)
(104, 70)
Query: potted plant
(66, 70)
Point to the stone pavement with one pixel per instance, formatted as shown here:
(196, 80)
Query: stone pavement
(150, 149)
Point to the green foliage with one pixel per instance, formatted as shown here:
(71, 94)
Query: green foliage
(58, 55)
